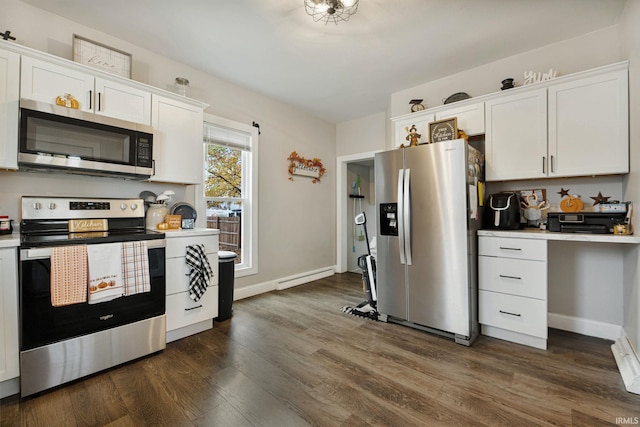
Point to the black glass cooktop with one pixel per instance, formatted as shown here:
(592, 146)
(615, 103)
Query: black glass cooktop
(85, 238)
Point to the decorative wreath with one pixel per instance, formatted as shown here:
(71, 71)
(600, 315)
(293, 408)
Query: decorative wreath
(294, 159)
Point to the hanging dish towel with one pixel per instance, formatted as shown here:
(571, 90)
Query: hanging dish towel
(105, 272)
(135, 268)
(68, 275)
(200, 271)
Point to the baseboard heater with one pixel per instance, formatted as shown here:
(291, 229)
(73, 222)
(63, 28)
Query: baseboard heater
(306, 277)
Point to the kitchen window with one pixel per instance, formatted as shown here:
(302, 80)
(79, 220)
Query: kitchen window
(230, 188)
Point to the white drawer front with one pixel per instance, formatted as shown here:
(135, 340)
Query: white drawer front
(183, 311)
(518, 314)
(508, 247)
(176, 246)
(177, 273)
(513, 276)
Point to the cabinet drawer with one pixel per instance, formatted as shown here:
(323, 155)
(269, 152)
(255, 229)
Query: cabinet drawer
(514, 313)
(177, 274)
(509, 247)
(183, 311)
(513, 276)
(176, 246)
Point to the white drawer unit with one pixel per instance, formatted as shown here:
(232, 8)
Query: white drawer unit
(185, 316)
(512, 301)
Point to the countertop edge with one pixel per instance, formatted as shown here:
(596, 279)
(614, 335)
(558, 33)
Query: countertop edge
(191, 232)
(9, 240)
(552, 235)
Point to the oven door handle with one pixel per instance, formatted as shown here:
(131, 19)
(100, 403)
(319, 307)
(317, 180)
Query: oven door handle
(44, 253)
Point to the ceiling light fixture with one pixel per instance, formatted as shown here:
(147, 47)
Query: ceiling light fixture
(331, 10)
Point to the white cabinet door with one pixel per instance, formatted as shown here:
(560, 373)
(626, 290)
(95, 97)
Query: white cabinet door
(177, 141)
(470, 117)
(589, 126)
(9, 358)
(122, 102)
(516, 136)
(403, 124)
(44, 82)
(9, 107)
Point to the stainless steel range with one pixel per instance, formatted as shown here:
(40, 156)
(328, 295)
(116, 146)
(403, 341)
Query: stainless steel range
(60, 342)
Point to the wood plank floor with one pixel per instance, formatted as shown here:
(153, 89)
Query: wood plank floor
(291, 358)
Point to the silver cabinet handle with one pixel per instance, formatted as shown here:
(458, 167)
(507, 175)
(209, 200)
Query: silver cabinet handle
(510, 314)
(553, 164)
(544, 164)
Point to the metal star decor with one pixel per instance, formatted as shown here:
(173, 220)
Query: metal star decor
(600, 199)
(563, 192)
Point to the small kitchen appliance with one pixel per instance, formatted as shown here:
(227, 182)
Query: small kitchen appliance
(502, 211)
(585, 222)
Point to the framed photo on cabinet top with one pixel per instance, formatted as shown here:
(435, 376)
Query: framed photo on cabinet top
(443, 130)
(102, 57)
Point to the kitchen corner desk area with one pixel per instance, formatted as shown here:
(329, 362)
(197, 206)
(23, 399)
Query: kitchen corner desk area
(518, 270)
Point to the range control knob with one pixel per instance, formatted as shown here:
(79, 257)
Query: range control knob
(52, 206)
(134, 206)
(37, 206)
(123, 206)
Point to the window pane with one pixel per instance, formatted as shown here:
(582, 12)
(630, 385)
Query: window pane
(227, 217)
(223, 174)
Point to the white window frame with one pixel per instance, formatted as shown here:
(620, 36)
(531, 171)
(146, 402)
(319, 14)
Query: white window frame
(249, 264)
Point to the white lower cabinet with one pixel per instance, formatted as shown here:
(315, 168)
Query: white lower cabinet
(184, 316)
(512, 299)
(9, 346)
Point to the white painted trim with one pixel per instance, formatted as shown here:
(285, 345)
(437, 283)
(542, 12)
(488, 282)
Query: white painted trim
(9, 387)
(282, 283)
(341, 204)
(582, 326)
(299, 279)
(628, 363)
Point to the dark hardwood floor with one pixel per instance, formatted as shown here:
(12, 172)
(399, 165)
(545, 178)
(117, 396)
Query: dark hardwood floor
(292, 358)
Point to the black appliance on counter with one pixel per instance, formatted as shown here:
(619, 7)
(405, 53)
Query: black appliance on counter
(502, 211)
(59, 344)
(585, 222)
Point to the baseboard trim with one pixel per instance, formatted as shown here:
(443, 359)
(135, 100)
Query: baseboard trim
(587, 327)
(628, 363)
(282, 283)
(300, 279)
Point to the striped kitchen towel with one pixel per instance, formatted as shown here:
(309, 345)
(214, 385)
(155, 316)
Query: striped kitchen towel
(68, 275)
(135, 268)
(200, 271)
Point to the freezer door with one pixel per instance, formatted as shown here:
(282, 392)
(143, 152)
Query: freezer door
(438, 294)
(391, 282)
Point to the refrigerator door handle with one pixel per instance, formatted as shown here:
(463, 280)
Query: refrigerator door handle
(407, 215)
(400, 217)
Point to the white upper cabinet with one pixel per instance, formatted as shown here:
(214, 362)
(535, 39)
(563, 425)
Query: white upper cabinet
(177, 141)
(516, 136)
(44, 81)
(403, 124)
(577, 125)
(589, 126)
(470, 117)
(9, 100)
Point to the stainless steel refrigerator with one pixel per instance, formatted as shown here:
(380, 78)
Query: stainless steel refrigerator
(429, 199)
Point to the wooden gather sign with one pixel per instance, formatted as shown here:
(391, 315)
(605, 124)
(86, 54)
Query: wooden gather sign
(300, 166)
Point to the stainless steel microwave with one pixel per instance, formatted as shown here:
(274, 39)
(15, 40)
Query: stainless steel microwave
(56, 138)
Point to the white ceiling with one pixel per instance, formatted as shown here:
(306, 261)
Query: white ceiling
(338, 72)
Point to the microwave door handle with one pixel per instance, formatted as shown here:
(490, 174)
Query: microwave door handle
(407, 215)
(400, 216)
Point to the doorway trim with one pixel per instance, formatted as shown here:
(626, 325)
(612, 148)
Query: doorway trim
(342, 194)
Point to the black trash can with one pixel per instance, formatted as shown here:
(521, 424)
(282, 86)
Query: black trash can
(226, 272)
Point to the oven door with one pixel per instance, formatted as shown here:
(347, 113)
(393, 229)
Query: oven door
(43, 324)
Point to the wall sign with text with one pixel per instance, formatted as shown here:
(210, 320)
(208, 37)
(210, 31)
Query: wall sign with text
(443, 130)
(102, 57)
(311, 168)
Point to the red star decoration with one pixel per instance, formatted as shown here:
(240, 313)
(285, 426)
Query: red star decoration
(599, 199)
(563, 192)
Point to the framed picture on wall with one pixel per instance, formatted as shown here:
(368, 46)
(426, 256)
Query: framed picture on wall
(102, 57)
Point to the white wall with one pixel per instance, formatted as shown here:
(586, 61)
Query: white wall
(630, 37)
(296, 218)
(361, 135)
